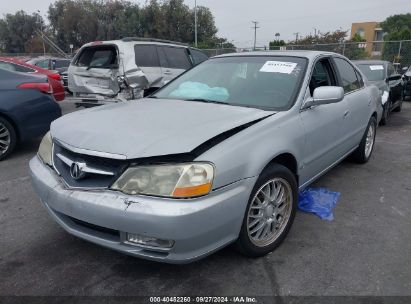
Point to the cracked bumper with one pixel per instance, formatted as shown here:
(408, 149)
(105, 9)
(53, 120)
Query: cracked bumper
(198, 226)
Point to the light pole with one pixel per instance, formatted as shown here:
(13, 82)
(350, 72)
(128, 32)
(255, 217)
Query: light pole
(41, 30)
(255, 27)
(195, 22)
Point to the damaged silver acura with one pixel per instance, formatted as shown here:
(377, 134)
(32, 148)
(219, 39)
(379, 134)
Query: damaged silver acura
(130, 68)
(216, 156)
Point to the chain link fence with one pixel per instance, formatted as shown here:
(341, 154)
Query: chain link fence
(395, 51)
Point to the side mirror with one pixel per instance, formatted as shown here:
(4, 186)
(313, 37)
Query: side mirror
(325, 95)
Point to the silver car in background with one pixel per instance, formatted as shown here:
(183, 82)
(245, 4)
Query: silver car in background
(216, 156)
(120, 70)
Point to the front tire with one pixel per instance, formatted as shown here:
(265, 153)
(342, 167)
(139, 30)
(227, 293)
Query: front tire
(385, 114)
(8, 138)
(399, 107)
(364, 150)
(270, 212)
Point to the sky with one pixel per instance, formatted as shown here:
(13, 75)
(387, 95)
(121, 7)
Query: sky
(234, 18)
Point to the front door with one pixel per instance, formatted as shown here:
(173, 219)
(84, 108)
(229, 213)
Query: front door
(323, 125)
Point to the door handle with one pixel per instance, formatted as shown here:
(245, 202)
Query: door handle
(167, 72)
(346, 113)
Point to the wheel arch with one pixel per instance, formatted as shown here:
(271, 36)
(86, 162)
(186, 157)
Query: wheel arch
(287, 160)
(13, 123)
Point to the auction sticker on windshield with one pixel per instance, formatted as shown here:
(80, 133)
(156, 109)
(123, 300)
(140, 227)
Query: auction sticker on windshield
(376, 67)
(278, 67)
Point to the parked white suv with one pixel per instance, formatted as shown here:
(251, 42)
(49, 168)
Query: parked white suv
(130, 68)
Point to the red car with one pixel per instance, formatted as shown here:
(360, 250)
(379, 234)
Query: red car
(54, 78)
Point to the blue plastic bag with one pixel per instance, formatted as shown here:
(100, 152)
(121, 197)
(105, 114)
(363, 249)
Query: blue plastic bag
(319, 201)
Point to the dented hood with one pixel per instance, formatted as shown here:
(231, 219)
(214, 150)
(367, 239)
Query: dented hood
(150, 127)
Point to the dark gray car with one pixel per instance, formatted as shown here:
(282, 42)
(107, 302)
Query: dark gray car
(390, 83)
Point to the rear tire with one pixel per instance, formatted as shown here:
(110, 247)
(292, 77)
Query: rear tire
(270, 212)
(366, 147)
(8, 138)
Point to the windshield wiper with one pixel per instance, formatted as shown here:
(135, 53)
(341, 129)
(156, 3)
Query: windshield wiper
(207, 101)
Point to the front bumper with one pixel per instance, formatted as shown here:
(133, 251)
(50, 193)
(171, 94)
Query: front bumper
(198, 226)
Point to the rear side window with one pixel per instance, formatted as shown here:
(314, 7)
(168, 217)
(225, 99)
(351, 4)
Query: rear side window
(174, 57)
(44, 64)
(15, 67)
(98, 57)
(348, 75)
(146, 55)
(61, 64)
(198, 56)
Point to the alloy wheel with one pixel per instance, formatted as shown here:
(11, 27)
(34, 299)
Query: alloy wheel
(369, 141)
(269, 212)
(5, 139)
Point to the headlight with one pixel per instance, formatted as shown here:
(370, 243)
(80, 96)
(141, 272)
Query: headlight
(179, 180)
(384, 96)
(45, 149)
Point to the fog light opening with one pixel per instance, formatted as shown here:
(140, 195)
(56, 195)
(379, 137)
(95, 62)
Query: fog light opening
(148, 241)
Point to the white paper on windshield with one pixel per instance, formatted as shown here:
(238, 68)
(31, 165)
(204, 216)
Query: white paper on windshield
(376, 67)
(278, 67)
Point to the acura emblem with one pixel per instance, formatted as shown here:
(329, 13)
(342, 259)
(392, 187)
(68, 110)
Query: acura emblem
(76, 170)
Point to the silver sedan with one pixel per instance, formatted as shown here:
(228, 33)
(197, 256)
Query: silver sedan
(216, 156)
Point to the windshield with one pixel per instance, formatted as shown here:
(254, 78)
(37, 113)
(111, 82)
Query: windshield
(373, 72)
(267, 82)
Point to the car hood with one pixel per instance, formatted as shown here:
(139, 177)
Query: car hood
(150, 127)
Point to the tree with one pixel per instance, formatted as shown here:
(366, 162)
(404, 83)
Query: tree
(276, 44)
(352, 48)
(322, 38)
(18, 30)
(79, 21)
(396, 28)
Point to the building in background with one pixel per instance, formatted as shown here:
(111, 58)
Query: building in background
(372, 33)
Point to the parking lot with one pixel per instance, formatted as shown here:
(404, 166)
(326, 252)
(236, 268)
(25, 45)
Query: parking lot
(366, 250)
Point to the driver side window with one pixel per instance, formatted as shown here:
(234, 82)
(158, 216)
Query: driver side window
(322, 75)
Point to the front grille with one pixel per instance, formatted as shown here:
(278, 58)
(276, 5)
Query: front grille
(90, 180)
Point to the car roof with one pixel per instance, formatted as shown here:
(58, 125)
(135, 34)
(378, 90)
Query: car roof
(137, 40)
(292, 53)
(381, 62)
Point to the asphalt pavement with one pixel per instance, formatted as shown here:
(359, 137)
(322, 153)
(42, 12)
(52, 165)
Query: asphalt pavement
(366, 250)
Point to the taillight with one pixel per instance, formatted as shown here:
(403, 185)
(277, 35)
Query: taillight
(55, 76)
(43, 87)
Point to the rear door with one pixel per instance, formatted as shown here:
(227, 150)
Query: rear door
(94, 71)
(174, 61)
(358, 102)
(147, 60)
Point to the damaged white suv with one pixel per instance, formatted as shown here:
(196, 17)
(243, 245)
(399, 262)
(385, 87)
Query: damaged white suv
(130, 68)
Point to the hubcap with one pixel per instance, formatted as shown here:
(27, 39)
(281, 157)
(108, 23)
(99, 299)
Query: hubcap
(269, 212)
(4, 139)
(369, 141)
